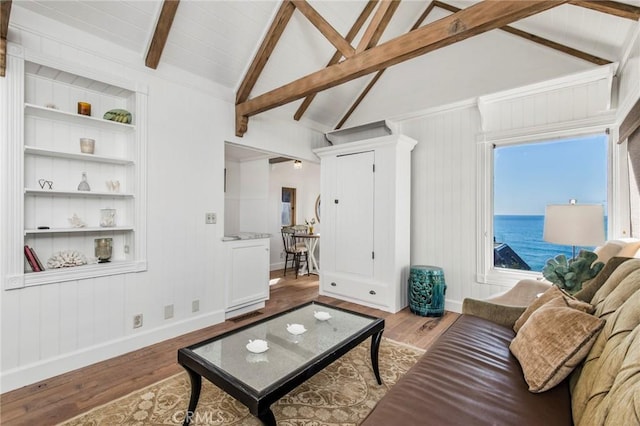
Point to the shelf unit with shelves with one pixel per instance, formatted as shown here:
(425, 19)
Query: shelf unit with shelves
(46, 132)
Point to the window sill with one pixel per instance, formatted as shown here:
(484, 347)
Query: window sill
(506, 277)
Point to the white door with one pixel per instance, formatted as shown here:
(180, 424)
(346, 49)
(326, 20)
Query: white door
(354, 213)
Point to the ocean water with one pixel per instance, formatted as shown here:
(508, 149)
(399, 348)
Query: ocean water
(524, 235)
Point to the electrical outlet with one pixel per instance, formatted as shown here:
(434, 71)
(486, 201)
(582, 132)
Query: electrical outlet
(281, 255)
(195, 305)
(137, 321)
(168, 311)
(126, 249)
(210, 218)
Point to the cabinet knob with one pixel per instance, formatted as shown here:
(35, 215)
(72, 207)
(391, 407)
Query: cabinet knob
(333, 284)
(372, 292)
(336, 201)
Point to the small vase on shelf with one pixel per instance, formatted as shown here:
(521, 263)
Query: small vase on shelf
(84, 185)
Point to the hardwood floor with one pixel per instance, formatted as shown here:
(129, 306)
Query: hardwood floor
(63, 397)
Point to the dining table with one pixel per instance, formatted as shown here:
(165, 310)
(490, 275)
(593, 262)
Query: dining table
(311, 242)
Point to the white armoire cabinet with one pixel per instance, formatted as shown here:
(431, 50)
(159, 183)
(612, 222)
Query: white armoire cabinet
(365, 213)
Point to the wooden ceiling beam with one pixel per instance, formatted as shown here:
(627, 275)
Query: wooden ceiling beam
(269, 43)
(621, 10)
(161, 33)
(378, 24)
(474, 20)
(364, 15)
(325, 28)
(375, 78)
(540, 40)
(5, 13)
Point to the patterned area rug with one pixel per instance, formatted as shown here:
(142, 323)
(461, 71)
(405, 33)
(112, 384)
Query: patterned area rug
(342, 394)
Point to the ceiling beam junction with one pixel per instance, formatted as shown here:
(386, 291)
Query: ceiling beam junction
(325, 28)
(536, 39)
(474, 20)
(269, 43)
(378, 24)
(621, 10)
(364, 15)
(161, 33)
(5, 13)
(375, 78)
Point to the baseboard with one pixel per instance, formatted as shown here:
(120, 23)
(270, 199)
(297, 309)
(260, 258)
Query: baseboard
(276, 266)
(32, 373)
(453, 305)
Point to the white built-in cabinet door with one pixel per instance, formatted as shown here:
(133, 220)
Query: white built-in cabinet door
(354, 213)
(247, 272)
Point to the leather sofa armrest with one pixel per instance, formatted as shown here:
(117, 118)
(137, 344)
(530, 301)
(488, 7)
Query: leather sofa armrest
(499, 314)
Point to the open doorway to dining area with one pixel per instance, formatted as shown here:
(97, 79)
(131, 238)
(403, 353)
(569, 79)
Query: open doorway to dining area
(265, 191)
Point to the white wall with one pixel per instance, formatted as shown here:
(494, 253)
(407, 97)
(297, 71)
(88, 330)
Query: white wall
(254, 196)
(55, 328)
(446, 181)
(307, 184)
(443, 196)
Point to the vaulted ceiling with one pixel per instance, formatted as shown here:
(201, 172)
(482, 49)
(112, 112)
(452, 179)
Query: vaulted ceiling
(364, 60)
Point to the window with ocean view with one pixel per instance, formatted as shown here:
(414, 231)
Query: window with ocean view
(530, 176)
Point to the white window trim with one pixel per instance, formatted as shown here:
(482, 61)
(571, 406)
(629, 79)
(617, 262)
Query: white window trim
(617, 184)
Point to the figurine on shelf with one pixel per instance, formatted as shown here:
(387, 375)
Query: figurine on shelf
(76, 222)
(113, 185)
(84, 185)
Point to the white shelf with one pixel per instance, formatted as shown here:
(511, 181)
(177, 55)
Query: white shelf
(84, 230)
(80, 272)
(31, 150)
(95, 194)
(84, 120)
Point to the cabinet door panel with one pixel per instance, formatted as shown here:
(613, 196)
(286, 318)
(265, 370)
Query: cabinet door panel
(354, 213)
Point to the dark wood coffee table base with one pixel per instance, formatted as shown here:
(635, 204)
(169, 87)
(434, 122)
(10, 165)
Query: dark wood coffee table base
(262, 408)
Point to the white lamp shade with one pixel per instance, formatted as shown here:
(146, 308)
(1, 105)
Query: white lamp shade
(574, 224)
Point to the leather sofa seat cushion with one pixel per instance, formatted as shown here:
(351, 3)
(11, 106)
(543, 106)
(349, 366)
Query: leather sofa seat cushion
(469, 377)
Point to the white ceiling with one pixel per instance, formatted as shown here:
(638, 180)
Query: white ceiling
(218, 39)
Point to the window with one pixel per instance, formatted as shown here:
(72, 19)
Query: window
(529, 176)
(521, 177)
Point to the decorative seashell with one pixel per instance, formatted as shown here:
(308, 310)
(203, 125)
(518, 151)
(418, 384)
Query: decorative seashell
(257, 346)
(321, 315)
(66, 259)
(296, 328)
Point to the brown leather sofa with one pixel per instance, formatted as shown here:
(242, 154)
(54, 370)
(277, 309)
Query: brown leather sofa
(469, 376)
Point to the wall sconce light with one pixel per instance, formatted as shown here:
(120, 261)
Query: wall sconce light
(297, 164)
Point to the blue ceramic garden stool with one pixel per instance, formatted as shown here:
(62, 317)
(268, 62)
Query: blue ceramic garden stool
(426, 291)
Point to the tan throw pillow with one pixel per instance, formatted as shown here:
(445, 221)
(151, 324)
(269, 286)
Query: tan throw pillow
(554, 292)
(553, 341)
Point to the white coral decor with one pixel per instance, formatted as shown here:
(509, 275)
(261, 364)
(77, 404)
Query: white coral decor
(66, 259)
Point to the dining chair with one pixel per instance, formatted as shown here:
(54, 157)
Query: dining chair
(294, 251)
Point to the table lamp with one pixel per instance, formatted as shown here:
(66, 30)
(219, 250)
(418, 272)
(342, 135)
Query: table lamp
(574, 225)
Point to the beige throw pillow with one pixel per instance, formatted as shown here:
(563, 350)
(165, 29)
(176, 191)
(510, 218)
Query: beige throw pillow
(553, 341)
(554, 292)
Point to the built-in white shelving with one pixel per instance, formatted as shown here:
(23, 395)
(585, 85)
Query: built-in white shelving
(94, 229)
(88, 194)
(46, 131)
(31, 150)
(73, 118)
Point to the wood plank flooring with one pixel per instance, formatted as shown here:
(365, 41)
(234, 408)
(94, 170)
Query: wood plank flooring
(63, 397)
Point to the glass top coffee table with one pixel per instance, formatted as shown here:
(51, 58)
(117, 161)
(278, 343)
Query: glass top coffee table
(259, 379)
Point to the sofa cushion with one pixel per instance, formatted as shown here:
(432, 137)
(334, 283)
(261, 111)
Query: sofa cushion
(553, 341)
(469, 377)
(605, 390)
(554, 292)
